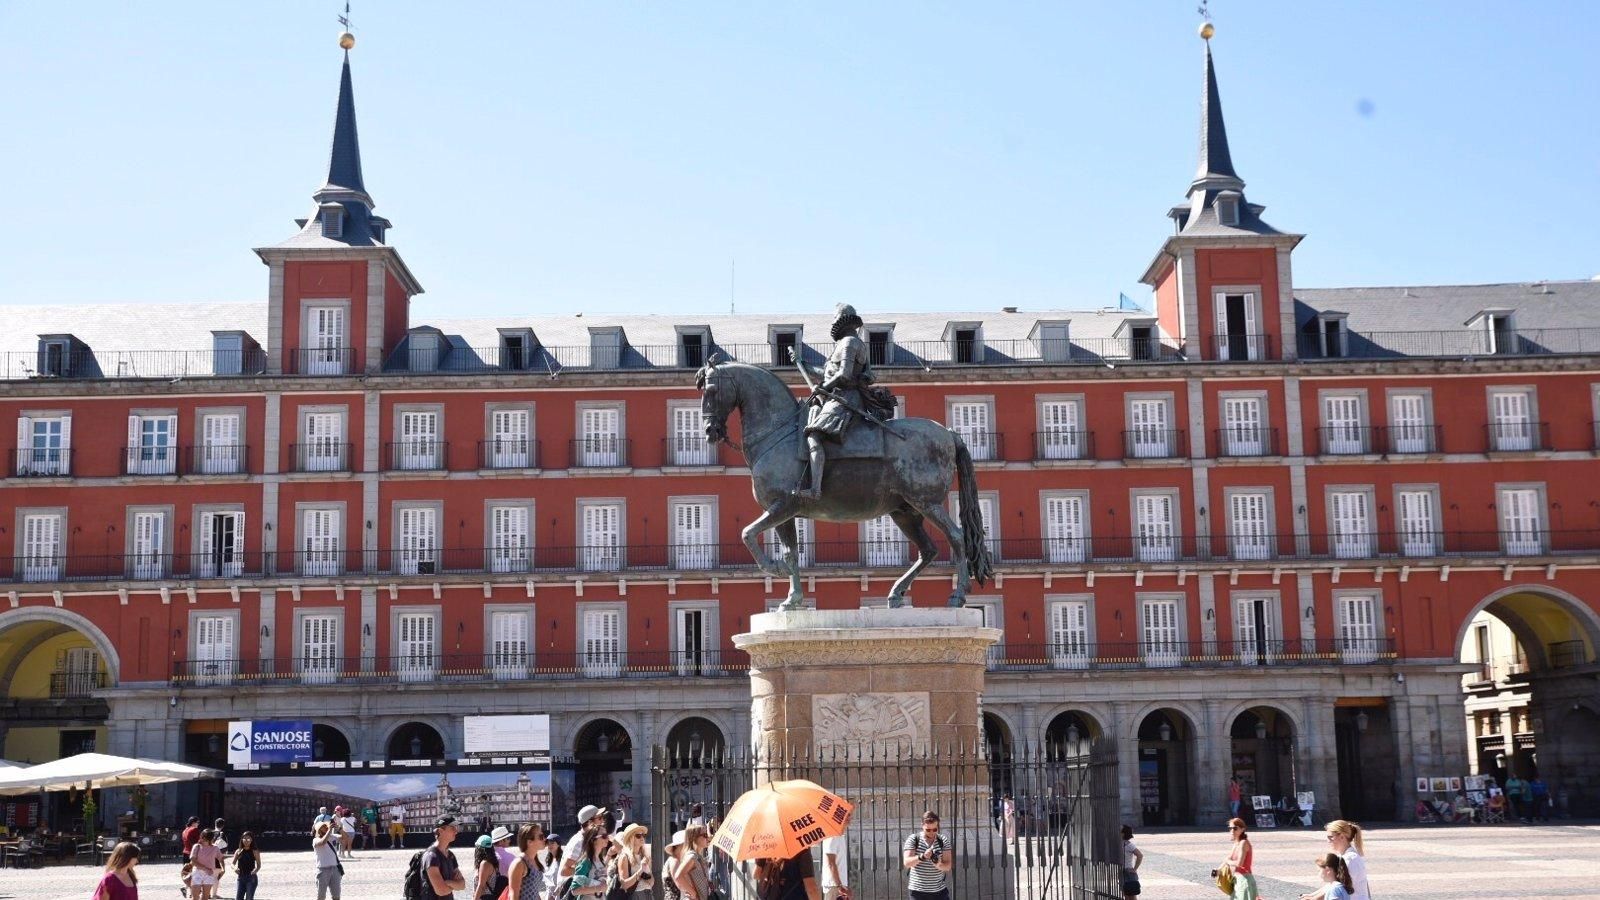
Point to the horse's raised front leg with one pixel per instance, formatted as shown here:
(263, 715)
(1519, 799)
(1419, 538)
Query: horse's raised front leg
(789, 537)
(958, 550)
(778, 513)
(910, 523)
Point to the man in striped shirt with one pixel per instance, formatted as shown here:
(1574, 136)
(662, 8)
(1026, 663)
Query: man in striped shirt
(928, 856)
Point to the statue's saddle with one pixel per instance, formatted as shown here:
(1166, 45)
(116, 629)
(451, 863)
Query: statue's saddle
(862, 440)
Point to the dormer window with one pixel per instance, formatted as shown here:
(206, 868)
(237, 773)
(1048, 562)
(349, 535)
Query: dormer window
(516, 348)
(605, 348)
(1053, 340)
(694, 343)
(1140, 337)
(234, 353)
(55, 356)
(965, 340)
(1333, 334)
(332, 222)
(880, 345)
(785, 341)
(1228, 207)
(424, 350)
(1498, 329)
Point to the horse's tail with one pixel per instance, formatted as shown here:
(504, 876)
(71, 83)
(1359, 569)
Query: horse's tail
(979, 565)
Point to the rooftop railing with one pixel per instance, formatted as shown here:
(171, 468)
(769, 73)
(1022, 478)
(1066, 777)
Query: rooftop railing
(1452, 343)
(518, 557)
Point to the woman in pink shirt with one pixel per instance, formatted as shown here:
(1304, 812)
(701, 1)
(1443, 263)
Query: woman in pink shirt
(119, 882)
(1240, 859)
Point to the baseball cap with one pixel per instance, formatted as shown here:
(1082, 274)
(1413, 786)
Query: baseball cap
(444, 822)
(484, 842)
(589, 812)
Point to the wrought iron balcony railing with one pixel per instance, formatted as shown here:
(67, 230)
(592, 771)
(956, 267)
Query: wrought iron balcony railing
(1063, 443)
(1154, 443)
(515, 453)
(503, 665)
(1246, 440)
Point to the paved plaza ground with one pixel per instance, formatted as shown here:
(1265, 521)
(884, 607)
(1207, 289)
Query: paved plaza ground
(1439, 863)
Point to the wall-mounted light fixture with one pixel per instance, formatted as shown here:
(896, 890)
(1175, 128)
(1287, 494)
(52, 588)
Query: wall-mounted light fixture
(1261, 731)
(266, 631)
(366, 628)
(1362, 720)
(1165, 731)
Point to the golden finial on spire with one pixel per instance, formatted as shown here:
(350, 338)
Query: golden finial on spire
(346, 39)
(1206, 28)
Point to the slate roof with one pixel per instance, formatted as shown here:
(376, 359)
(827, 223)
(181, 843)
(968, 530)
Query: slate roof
(1553, 316)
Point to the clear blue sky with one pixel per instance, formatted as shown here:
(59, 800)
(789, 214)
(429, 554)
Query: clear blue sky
(548, 157)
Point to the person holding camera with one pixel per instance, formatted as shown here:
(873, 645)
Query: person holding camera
(929, 857)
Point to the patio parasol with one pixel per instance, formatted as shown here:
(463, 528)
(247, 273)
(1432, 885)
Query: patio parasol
(96, 770)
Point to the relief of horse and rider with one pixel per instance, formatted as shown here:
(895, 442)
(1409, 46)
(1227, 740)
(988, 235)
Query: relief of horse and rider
(840, 455)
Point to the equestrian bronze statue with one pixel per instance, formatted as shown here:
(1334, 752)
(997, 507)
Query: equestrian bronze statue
(869, 465)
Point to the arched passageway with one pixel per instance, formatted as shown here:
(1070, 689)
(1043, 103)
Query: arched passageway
(1261, 750)
(603, 752)
(1165, 760)
(413, 740)
(1535, 677)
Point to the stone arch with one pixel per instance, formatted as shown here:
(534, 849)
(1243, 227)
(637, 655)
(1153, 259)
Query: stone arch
(1262, 750)
(1163, 749)
(1192, 717)
(1089, 725)
(1244, 706)
(342, 734)
(419, 728)
(1584, 616)
(68, 619)
(679, 737)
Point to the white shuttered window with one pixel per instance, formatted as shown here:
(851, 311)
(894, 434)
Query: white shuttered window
(602, 643)
(416, 646)
(1521, 521)
(1069, 634)
(319, 542)
(1352, 524)
(418, 547)
(971, 420)
(1149, 429)
(215, 658)
(600, 437)
(510, 539)
(509, 654)
(1408, 424)
(1418, 529)
(319, 648)
(688, 439)
(694, 543)
(1242, 431)
(1065, 532)
(882, 542)
(1158, 632)
(1341, 425)
(149, 545)
(1358, 628)
(602, 537)
(41, 546)
(1060, 430)
(1155, 527)
(510, 439)
(1247, 526)
(1511, 421)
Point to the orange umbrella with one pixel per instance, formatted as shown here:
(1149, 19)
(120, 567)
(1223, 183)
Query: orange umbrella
(781, 819)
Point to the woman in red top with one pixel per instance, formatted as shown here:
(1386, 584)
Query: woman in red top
(119, 882)
(1239, 859)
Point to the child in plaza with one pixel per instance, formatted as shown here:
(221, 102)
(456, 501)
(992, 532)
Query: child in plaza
(1336, 883)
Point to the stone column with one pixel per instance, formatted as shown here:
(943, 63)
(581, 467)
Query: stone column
(881, 706)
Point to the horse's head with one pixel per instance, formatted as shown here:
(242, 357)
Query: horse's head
(719, 395)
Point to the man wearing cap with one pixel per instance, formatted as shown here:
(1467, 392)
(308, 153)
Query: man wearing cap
(590, 816)
(440, 872)
(500, 839)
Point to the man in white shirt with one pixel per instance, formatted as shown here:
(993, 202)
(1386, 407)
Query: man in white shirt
(835, 868)
(594, 816)
(397, 826)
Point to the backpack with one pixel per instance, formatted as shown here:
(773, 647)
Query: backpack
(413, 888)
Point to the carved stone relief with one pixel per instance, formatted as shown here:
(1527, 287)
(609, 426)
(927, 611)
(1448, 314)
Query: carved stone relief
(871, 719)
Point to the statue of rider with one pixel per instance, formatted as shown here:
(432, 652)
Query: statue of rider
(844, 392)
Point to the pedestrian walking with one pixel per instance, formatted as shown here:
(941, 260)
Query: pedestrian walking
(187, 839)
(1132, 858)
(322, 816)
(632, 866)
(1240, 858)
(1541, 797)
(835, 868)
(441, 875)
(246, 867)
(119, 882)
(220, 839)
(207, 860)
(673, 853)
(347, 835)
(1008, 818)
(525, 877)
(1235, 795)
(330, 874)
(1345, 838)
(1514, 793)
(1335, 875)
(929, 857)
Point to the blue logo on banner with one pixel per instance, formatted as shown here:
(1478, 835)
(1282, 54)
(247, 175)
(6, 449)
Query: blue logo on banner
(280, 741)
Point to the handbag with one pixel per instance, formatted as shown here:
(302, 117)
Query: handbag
(1225, 879)
(494, 888)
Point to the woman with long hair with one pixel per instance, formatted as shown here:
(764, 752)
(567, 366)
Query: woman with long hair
(1240, 859)
(589, 875)
(119, 882)
(690, 873)
(525, 880)
(247, 867)
(207, 870)
(1344, 837)
(633, 863)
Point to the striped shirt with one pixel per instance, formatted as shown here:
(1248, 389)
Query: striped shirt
(925, 875)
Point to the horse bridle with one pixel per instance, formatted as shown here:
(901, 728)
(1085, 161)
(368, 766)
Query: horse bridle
(753, 445)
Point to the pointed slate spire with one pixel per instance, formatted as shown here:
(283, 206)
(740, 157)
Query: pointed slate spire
(344, 162)
(1216, 163)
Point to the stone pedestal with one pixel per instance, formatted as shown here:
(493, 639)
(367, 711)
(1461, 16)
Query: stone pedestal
(882, 707)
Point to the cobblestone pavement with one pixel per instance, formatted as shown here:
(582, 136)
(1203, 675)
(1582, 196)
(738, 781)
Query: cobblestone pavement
(1438, 863)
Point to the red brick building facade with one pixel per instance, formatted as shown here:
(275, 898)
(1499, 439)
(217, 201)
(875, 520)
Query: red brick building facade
(1241, 535)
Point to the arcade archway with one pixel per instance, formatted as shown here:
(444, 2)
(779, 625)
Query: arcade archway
(413, 740)
(328, 744)
(1532, 687)
(1261, 750)
(1165, 782)
(603, 752)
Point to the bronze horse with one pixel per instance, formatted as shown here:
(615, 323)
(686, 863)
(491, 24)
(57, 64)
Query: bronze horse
(909, 485)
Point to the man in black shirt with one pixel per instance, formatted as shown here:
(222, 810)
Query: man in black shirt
(439, 867)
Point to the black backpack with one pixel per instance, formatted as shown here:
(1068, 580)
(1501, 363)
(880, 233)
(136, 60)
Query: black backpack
(413, 889)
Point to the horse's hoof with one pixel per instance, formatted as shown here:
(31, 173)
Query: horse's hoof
(958, 601)
(896, 602)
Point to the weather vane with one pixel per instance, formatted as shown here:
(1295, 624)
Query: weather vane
(346, 39)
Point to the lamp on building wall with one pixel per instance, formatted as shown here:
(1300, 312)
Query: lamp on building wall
(1073, 733)
(1165, 731)
(266, 631)
(317, 748)
(1362, 720)
(1261, 730)
(416, 747)
(213, 743)
(602, 743)
(697, 744)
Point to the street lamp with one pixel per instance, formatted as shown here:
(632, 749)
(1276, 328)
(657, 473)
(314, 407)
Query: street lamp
(1261, 731)
(602, 743)
(1073, 734)
(416, 746)
(696, 744)
(317, 748)
(1166, 731)
(1362, 720)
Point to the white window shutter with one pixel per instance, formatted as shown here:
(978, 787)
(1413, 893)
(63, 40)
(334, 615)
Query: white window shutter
(24, 444)
(66, 439)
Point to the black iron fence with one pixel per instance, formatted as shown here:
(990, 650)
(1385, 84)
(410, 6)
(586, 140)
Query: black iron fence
(1022, 823)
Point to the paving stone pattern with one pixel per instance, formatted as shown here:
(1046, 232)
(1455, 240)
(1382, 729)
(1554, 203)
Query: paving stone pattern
(1438, 863)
